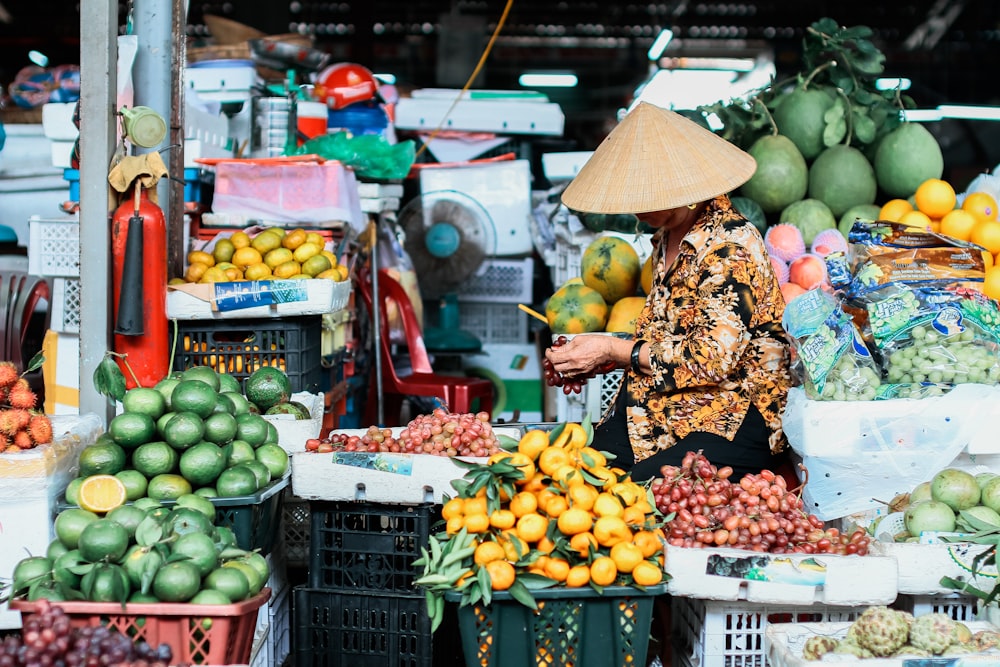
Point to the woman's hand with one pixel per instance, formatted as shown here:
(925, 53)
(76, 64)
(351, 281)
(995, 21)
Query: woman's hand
(586, 355)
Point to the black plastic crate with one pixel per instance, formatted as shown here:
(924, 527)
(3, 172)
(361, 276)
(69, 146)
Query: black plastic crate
(359, 630)
(239, 347)
(361, 547)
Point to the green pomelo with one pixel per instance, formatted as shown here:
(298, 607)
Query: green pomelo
(229, 384)
(107, 582)
(240, 451)
(224, 404)
(274, 457)
(205, 374)
(177, 582)
(196, 502)
(865, 212)
(268, 386)
(260, 471)
(147, 400)
(30, 570)
(70, 523)
(199, 549)
(135, 482)
(210, 596)
(842, 177)
(154, 458)
(228, 581)
(251, 428)
(140, 564)
(202, 463)
(799, 117)
(185, 521)
(240, 403)
(905, 158)
(752, 211)
(810, 217)
(194, 396)
(131, 429)
(103, 539)
(102, 458)
(220, 427)
(237, 481)
(62, 569)
(166, 388)
(129, 516)
(168, 487)
(782, 176)
(55, 549)
(185, 428)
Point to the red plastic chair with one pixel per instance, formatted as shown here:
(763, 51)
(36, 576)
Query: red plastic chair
(20, 294)
(457, 392)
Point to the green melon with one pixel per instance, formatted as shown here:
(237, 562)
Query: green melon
(799, 117)
(782, 175)
(842, 177)
(905, 158)
(866, 212)
(752, 211)
(810, 216)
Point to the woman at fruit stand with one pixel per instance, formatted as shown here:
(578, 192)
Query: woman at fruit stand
(709, 366)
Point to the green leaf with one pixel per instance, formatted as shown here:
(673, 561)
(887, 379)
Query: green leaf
(231, 553)
(148, 532)
(109, 380)
(972, 521)
(834, 113)
(864, 126)
(534, 582)
(35, 363)
(175, 557)
(834, 132)
(520, 592)
(507, 442)
(556, 432)
(485, 585)
(81, 568)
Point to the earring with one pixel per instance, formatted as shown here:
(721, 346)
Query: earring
(692, 206)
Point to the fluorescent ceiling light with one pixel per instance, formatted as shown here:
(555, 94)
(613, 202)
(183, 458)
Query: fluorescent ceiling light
(969, 112)
(920, 115)
(551, 80)
(892, 84)
(385, 78)
(38, 58)
(727, 64)
(660, 44)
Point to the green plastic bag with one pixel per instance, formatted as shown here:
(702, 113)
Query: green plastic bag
(370, 155)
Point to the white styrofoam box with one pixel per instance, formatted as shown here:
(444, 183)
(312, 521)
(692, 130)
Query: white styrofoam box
(379, 190)
(504, 117)
(500, 281)
(709, 633)
(379, 204)
(960, 608)
(378, 477)
(921, 566)
(30, 484)
(503, 189)
(516, 373)
(62, 153)
(61, 373)
(54, 246)
(64, 306)
(883, 447)
(571, 246)
(781, 578)
(57, 121)
(559, 167)
(784, 642)
(292, 432)
(194, 301)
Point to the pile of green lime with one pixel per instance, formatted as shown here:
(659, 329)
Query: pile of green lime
(143, 552)
(195, 432)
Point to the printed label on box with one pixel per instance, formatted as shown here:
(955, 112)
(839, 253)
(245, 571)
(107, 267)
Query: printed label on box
(804, 572)
(397, 464)
(235, 296)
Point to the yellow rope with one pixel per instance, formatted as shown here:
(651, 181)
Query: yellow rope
(472, 77)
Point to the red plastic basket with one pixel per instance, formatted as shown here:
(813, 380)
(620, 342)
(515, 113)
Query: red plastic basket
(196, 634)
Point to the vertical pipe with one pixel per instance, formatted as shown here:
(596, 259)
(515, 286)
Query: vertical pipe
(98, 97)
(178, 61)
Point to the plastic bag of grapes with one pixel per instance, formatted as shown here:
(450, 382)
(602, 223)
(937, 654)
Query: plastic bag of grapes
(831, 358)
(937, 335)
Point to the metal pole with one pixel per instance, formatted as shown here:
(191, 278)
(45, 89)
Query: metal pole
(377, 321)
(99, 79)
(153, 26)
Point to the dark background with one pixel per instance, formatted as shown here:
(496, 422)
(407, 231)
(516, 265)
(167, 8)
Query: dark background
(950, 49)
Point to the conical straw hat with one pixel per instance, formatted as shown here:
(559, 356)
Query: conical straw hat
(656, 160)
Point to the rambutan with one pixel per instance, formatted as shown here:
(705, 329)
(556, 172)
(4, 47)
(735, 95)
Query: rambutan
(22, 416)
(40, 429)
(23, 441)
(9, 423)
(21, 396)
(8, 374)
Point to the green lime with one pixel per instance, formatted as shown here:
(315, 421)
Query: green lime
(239, 480)
(62, 572)
(46, 589)
(30, 570)
(268, 386)
(199, 549)
(274, 458)
(220, 428)
(135, 482)
(252, 428)
(55, 549)
(105, 458)
(224, 404)
(147, 504)
(241, 405)
(272, 434)
(209, 596)
(240, 451)
(261, 471)
(185, 428)
(154, 458)
(184, 520)
(225, 536)
(73, 491)
(141, 563)
(207, 492)
(177, 581)
(193, 396)
(253, 577)
(70, 523)
(257, 562)
(131, 429)
(228, 383)
(138, 597)
(161, 423)
(168, 487)
(107, 582)
(228, 581)
(205, 374)
(166, 388)
(202, 463)
(129, 516)
(103, 539)
(145, 400)
(196, 502)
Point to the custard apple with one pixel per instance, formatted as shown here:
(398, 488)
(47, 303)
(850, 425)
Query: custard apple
(934, 632)
(986, 639)
(817, 646)
(845, 647)
(882, 630)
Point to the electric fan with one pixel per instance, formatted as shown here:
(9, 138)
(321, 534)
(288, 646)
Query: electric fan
(448, 235)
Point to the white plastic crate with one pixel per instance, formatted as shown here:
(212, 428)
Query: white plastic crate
(54, 247)
(500, 280)
(295, 523)
(707, 633)
(597, 396)
(569, 252)
(494, 322)
(959, 607)
(65, 313)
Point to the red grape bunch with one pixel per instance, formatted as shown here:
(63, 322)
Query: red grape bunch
(758, 514)
(49, 640)
(440, 433)
(571, 384)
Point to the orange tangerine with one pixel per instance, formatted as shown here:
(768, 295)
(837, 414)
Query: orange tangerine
(987, 235)
(557, 569)
(523, 463)
(991, 283)
(568, 475)
(935, 197)
(988, 260)
(578, 575)
(629, 492)
(248, 256)
(536, 483)
(917, 220)
(454, 507)
(634, 516)
(591, 458)
(503, 519)
(501, 573)
(545, 546)
(582, 496)
(610, 530)
(475, 505)
(608, 505)
(533, 443)
(605, 475)
(893, 209)
(958, 224)
(603, 571)
(514, 548)
(574, 521)
(532, 527)
(488, 551)
(573, 436)
(523, 503)
(556, 506)
(648, 543)
(552, 459)
(626, 556)
(454, 524)
(980, 204)
(477, 523)
(583, 544)
(647, 574)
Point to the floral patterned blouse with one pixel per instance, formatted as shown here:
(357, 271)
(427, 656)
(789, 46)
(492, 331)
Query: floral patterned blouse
(717, 347)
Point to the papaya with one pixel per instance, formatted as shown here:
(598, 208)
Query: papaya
(621, 319)
(611, 266)
(576, 309)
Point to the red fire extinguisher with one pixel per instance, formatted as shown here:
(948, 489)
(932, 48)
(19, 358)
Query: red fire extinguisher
(139, 287)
